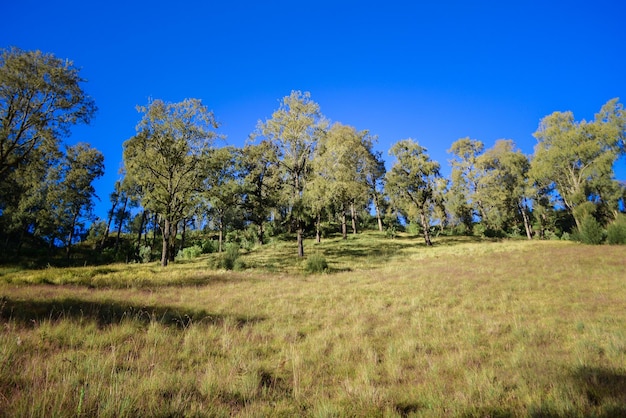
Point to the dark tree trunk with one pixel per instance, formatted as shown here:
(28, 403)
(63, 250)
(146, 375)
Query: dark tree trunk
(344, 226)
(120, 223)
(141, 227)
(166, 244)
(106, 231)
(300, 239)
(426, 229)
(318, 228)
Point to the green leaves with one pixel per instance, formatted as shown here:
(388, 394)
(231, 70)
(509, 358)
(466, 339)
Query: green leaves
(577, 156)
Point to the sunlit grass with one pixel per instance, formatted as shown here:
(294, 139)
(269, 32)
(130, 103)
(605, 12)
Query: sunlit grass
(466, 328)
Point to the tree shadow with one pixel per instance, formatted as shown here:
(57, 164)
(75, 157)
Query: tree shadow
(110, 312)
(602, 386)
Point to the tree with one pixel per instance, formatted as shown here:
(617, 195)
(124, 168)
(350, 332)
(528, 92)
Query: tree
(411, 183)
(342, 163)
(503, 187)
(40, 99)
(168, 159)
(261, 183)
(375, 178)
(72, 197)
(222, 187)
(463, 204)
(294, 130)
(575, 157)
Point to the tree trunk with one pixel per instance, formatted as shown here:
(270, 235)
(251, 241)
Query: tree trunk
(378, 217)
(172, 240)
(156, 225)
(353, 216)
(182, 236)
(318, 232)
(221, 235)
(106, 231)
(141, 225)
(300, 239)
(261, 233)
(426, 229)
(527, 227)
(71, 234)
(166, 244)
(344, 226)
(120, 223)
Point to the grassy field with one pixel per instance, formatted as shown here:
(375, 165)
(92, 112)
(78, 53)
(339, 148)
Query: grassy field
(468, 328)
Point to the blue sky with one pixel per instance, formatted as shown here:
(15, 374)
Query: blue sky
(434, 71)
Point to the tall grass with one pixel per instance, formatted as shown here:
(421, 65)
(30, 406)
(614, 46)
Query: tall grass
(467, 328)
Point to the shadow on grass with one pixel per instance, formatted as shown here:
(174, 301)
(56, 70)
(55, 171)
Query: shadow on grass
(109, 312)
(603, 388)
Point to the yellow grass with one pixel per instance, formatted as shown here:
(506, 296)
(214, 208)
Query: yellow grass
(466, 328)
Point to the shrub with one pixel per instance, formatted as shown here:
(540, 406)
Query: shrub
(145, 254)
(209, 246)
(316, 263)
(189, 253)
(616, 231)
(590, 231)
(229, 259)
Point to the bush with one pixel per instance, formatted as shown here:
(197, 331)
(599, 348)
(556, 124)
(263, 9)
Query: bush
(229, 259)
(189, 253)
(316, 264)
(145, 254)
(209, 246)
(616, 231)
(590, 231)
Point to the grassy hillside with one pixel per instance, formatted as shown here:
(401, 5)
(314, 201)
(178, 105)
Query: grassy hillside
(467, 328)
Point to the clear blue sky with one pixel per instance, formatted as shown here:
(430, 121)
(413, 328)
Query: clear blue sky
(435, 71)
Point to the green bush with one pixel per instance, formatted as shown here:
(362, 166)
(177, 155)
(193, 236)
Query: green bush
(189, 253)
(209, 246)
(229, 259)
(616, 231)
(590, 231)
(316, 263)
(145, 254)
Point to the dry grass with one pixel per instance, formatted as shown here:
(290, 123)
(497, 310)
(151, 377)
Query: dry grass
(467, 328)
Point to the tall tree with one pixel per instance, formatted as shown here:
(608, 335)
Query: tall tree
(503, 187)
(73, 195)
(576, 156)
(294, 130)
(411, 183)
(375, 178)
(222, 187)
(40, 99)
(167, 159)
(260, 182)
(342, 164)
(462, 201)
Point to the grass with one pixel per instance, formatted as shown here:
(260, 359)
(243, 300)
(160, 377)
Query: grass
(467, 328)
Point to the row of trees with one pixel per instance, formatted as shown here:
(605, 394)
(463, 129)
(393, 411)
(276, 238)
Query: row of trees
(296, 173)
(46, 187)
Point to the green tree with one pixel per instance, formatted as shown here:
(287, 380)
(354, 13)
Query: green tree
(294, 130)
(222, 187)
(576, 157)
(340, 168)
(72, 197)
(411, 183)
(462, 201)
(261, 184)
(168, 159)
(40, 99)
(503, 187)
